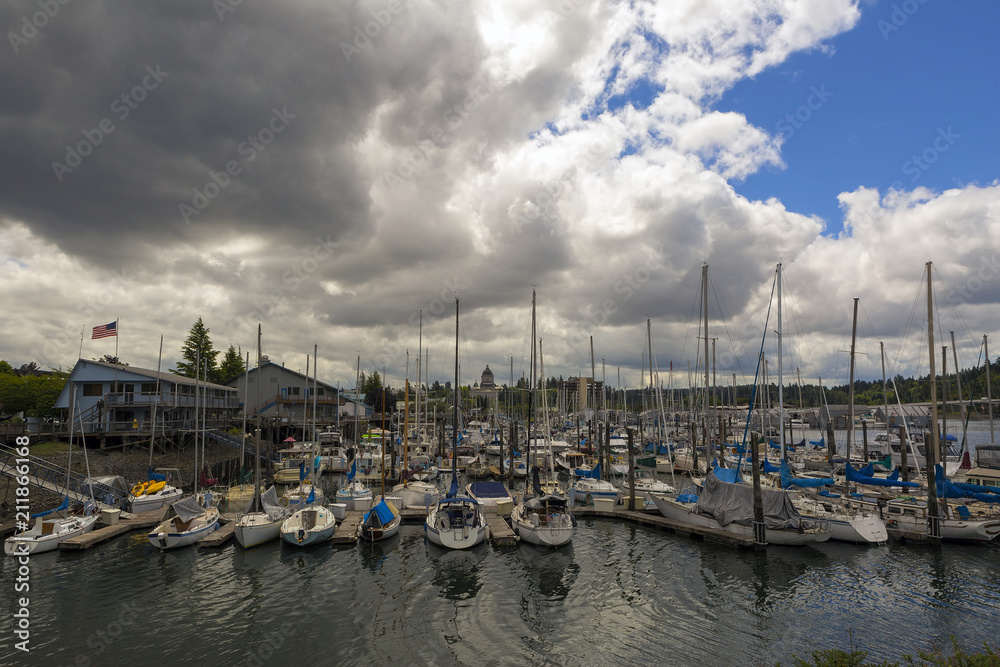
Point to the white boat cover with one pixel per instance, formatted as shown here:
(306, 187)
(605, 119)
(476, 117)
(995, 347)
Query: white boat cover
(733, 503)
(188, 508)
(271, 506)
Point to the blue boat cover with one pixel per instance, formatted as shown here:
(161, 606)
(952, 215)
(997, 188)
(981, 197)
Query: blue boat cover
(354, 470)
(828, 494)
(384, 512)
(489, 490)
(730, 475)
(787, 480)
(453, 491)
(818, 444)
(687, 498)
(948, 489)
(155, 476)
(62, 506)
(590, 474)
(857, 478)
(770, 467)
(868, 470)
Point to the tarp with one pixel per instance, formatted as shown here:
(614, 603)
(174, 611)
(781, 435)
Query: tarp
(595, 473)
(554, 503)
(354, 470)
(730, 475)
(62, 506)
(270, 505)
(385, 511)
(770, 467)
(733, 503)
(188, 508)
(809, 483)
(489, 490)
(855, 477)
(948, 489)
(105, 488)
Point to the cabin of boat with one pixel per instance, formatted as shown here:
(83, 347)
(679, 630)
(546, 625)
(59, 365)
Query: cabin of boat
(987, 469)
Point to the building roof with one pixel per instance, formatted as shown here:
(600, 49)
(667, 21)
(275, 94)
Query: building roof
(163, 376)
(235, 381)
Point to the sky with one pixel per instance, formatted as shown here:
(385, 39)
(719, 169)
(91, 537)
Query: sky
(339, 172)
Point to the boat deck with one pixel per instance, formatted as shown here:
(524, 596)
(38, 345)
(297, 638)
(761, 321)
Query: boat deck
(95, 537)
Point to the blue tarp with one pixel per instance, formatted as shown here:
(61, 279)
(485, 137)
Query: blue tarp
(774, 445)
(354, 470)
(592, 474)
(868, 470)
(787, 480)
(382, 510)
(730, 475)
(947, 489)
(489, 490)
(155, 476)
(687, 498)
(770, 467)
(818, 444)
(828, 494)
(62, 506)
(857, 478)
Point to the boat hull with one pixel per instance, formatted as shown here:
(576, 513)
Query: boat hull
(36, 543)
(154, 501)
(311, 525)
(555, 531)
(455, 533)
(165, 535)
(256, 528)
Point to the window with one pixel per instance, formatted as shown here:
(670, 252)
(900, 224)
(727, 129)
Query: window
(91, 389)
(293, 391)
(149, 387)
(320, 391)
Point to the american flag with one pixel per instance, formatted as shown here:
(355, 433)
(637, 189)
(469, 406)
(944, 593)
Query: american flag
(105, 330)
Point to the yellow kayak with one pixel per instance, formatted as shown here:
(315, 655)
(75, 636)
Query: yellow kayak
(147, 487)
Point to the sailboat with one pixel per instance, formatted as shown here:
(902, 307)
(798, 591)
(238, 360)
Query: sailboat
(155, 492)
(544, 519)
(380, 522)
(50, 528)
(456, 522)
(187, 523)
(261, 521)
(413, 493)
(310, 525)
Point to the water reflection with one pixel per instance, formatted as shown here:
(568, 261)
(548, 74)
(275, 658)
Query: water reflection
(456, 571)
(552, 571)
(373, 554)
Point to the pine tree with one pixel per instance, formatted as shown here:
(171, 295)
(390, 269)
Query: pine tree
(232, 365)
(198, 340)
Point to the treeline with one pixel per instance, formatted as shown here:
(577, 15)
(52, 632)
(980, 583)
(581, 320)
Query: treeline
(29, 390)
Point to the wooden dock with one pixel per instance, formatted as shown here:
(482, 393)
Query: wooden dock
(95, 537)
(648, 519)
(347, 530)
(220, 537)
(500, 533)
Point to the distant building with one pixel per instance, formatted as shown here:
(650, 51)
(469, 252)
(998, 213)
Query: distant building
(116, 400)
(581, 393)
(274, 391)
(487, 386)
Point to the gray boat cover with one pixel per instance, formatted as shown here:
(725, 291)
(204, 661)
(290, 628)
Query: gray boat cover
(733, 503)
(188, 508)
(271, 506)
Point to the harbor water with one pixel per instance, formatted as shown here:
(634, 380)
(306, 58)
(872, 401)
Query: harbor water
(622, 594)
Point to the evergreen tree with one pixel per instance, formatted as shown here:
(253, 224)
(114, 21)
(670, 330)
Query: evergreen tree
(373, 383)
(198, 340)
(232, 365)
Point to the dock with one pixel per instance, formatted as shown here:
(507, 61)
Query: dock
(95, 537)
(347, 530)
(219, 537)
(659, 521)
(500, 533)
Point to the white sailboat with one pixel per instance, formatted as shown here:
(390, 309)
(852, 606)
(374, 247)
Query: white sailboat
(50, 528)
(261, 521)
(456, 522)
(310, 525)
(380, 522)
(188, 522)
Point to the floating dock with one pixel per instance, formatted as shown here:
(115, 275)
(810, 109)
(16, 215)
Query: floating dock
(707, 534)
(219, 537)
(500, 533)
(95, 537)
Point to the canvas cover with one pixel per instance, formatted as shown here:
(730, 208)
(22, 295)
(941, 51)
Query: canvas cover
(855, 477)
(188, 508)
(733, 503)
(385, 511)
(271, 506)
(787, 480)
(489, 490)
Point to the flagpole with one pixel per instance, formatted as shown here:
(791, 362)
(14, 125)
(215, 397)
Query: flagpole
(83, 330)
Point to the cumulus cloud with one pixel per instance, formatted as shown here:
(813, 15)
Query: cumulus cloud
(347, 167)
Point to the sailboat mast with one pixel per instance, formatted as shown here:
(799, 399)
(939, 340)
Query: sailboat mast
(257, 504)
(197, 372)
(850, 389)
(958, 384)
(989, 387)
(454, 430)
(930, 448)
(781, 392)
(156, 399)
(406, 429)
(704, 308)
(315, 387)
